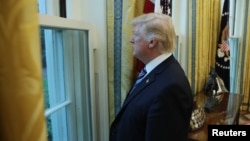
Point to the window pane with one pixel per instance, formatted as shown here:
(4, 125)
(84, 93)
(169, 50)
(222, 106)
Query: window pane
(53, 67)
(49, 7)
(66, 80)
(57, 126)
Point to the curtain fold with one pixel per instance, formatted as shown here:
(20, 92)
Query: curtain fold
(131, 9)
(206, 34)
(121, 63)
(21, 98)
(246, 65)
(110, 34)
(191, 42)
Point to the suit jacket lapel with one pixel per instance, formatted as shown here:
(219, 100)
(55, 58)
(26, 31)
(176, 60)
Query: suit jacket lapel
(144, 83)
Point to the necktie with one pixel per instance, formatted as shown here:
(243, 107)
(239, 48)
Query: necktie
(139, 78)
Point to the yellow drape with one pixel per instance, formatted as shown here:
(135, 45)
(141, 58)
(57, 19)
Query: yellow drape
(131, 8)
(110, 30)
(21, 99)
(207, 27)
(190, 36)
(246, 75)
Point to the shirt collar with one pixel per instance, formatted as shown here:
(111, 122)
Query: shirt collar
(156, 61)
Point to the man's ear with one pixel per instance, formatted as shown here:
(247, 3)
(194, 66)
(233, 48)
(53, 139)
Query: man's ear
(152, 43)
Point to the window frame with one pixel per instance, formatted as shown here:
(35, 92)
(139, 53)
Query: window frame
(57, 22)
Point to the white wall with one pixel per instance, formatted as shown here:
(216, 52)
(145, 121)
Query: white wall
(180, 19)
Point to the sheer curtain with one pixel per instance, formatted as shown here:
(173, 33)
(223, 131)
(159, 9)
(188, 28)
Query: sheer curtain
(21, 99)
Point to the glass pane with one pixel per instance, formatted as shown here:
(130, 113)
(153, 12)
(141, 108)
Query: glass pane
(234, 44)
(65, 64)
(49, 7)
(57, 126)
(53, 67)
(44, 71)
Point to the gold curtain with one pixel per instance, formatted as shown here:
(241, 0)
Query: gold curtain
(110, 30)
(207, 27)
(21, 99)
(131, 8)
(246, 71)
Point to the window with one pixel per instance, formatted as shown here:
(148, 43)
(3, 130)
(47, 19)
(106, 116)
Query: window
(237, 26)
(67, 59)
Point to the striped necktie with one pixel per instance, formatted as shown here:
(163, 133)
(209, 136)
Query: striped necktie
(139, 78)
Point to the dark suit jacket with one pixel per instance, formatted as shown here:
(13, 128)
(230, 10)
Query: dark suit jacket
(159, 108)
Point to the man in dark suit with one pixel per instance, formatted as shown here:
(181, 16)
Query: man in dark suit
(159, 107)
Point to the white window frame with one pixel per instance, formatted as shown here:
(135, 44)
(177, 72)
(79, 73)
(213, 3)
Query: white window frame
(57, 22)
